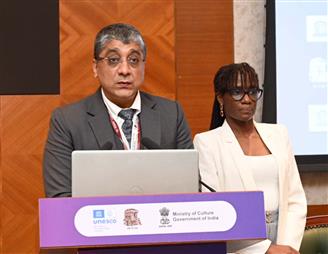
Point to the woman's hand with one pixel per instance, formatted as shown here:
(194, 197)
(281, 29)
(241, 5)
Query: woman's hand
(281, 249)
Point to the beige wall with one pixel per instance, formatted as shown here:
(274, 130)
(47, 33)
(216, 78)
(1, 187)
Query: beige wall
(249, 38)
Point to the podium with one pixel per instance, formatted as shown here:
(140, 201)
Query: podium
(157, 224)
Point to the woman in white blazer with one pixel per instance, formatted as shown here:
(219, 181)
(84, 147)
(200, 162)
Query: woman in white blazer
(242, 155)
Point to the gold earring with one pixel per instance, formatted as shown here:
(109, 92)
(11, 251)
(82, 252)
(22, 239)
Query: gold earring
(221, 110)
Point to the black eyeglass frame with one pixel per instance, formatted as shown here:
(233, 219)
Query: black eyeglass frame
(253, 93)
(108, 60)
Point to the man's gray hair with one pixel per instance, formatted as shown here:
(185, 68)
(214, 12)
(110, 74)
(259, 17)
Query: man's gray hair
(121, 32)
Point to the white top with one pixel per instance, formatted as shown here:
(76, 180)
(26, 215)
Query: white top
(265, 174)
(114, 110)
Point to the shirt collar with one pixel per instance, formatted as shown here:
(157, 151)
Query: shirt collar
(113, 109)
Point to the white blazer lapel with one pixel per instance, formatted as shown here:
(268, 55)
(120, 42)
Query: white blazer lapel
(238, 157)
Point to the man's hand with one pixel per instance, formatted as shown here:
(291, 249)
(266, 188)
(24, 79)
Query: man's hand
(281, 249)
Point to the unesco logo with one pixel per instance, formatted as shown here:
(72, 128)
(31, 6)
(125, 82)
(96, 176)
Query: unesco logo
(98, 214)
(100, 217)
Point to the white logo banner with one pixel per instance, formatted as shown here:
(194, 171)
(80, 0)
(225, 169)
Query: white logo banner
(155, 218)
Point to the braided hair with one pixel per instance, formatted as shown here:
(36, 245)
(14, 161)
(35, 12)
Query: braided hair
(227, 77)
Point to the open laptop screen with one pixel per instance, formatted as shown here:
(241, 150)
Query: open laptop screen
(122, 172)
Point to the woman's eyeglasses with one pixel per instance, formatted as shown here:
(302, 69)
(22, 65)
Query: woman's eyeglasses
(238, 93)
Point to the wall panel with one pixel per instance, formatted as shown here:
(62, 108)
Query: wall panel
(184, 53)
(24, 125)
(204, 42)
(29, 44)
(81, 20)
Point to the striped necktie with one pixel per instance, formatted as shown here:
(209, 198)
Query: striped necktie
(127, 115)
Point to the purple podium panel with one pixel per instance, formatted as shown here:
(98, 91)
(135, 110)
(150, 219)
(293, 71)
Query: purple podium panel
(151, 220)
(200, 248)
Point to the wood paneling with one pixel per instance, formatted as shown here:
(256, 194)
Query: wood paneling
(187, 41)
(314, 210)
(24, 126)
(204, 42)
(81, 20)
(24, 119)
(1, 190)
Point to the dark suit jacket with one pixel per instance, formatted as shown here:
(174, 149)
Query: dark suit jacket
(85, 125)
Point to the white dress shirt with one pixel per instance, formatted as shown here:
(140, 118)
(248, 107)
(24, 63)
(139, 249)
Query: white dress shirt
(114, 110)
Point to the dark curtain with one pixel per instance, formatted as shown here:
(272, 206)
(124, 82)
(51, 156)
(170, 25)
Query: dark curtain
(269, 98)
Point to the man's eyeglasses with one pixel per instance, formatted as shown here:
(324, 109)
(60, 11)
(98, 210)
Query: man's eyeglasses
(238, 93)
(113, 61)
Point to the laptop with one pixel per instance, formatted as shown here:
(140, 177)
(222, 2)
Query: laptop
(129, 172)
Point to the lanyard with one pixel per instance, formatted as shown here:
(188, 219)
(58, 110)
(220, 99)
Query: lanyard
(135, 135)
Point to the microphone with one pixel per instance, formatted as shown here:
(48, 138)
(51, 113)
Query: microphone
(207, 186)
(149, 144)
(107, 146)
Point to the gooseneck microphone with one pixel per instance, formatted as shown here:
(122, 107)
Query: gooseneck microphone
(207, 186)
(107, 146)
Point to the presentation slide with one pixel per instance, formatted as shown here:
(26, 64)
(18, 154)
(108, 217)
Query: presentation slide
(302, 73)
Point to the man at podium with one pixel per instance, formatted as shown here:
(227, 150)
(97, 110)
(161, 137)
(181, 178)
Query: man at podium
(117, 116)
